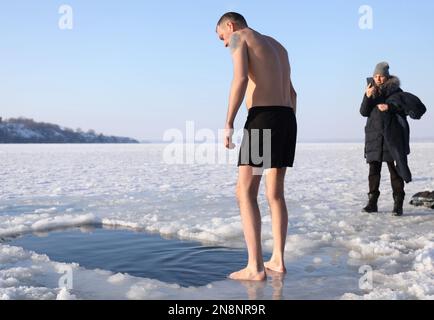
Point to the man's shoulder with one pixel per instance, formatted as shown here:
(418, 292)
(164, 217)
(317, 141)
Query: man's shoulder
(237, 40)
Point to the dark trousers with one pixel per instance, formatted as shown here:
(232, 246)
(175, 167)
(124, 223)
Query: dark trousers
(375, 178)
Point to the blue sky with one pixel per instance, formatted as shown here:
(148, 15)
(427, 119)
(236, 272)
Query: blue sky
(138, 68)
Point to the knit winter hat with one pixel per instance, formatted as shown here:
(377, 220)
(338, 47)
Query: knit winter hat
(382, 69)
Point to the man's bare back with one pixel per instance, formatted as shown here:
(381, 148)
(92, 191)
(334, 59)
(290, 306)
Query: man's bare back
(269, 70)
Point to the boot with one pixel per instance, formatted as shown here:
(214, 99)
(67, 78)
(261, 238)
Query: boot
(373, 203)
(397, 207)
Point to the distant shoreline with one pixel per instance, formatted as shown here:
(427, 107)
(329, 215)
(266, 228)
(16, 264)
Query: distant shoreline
(415, 141)
(27, 131)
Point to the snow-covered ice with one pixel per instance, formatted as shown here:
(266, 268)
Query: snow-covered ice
(46, 187)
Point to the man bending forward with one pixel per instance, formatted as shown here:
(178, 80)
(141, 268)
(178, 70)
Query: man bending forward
(262, 75)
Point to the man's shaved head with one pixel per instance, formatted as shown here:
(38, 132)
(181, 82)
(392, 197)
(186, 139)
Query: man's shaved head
(233, 17)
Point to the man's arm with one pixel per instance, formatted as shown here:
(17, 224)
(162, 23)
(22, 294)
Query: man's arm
(241, 77)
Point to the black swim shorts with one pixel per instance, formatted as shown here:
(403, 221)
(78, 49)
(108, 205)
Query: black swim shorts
(270, 137)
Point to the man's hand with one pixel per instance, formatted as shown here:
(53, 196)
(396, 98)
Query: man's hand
(370, 90)
(383, 107)
(229, 132)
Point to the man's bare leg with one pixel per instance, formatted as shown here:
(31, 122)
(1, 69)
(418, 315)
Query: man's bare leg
(275, 181)
(247, 193)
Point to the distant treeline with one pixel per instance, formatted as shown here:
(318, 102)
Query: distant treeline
(23, 130)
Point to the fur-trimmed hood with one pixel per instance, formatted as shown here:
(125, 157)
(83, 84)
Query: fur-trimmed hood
(390, 87)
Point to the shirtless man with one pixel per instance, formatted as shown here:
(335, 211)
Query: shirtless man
(262, 75)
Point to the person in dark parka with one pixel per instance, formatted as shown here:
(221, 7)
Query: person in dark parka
(387, 134)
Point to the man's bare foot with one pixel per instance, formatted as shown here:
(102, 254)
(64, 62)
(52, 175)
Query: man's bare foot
(276, 267)
(248, 275)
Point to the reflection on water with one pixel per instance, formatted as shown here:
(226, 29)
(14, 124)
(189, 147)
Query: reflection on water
(256, 290)
(277, 283)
